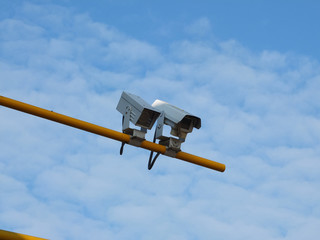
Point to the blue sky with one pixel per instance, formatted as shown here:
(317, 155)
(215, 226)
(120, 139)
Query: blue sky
(259, 25)
(251, 71)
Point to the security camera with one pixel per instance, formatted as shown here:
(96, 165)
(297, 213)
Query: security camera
(137, 111)
(181, 123)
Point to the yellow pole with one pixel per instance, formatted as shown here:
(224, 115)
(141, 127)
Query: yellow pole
(89, 127)
(5, 235)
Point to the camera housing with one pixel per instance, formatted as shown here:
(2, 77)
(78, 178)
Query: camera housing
(134, 109)
(137, 111)
(180, 121)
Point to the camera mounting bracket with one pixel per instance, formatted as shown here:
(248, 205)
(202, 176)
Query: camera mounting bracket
(136, 136)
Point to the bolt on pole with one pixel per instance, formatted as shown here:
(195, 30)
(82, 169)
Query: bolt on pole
(102, 131)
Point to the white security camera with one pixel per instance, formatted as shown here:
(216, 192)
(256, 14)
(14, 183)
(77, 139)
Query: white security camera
(138, 111)
(134, 109)
(181, 123)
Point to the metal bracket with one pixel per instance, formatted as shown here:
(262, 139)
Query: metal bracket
(126, 119)
(159, 130)
(173, 145)
(136, 136)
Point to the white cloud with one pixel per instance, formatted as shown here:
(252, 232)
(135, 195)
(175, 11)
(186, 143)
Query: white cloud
(260, 114)
(16, 30)
(200, 27)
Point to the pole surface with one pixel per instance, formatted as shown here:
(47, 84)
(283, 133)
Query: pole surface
(5, 235)
(102, 131)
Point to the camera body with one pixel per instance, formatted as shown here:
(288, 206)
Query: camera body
(138, 111)
(180, 121)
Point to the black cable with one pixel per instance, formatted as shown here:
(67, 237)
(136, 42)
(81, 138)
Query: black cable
(152, 161)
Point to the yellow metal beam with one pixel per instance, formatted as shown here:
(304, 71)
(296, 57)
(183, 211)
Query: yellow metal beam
(5, 235)
(89, 127)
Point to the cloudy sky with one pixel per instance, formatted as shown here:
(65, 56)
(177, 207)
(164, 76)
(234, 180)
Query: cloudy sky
(251, 71)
